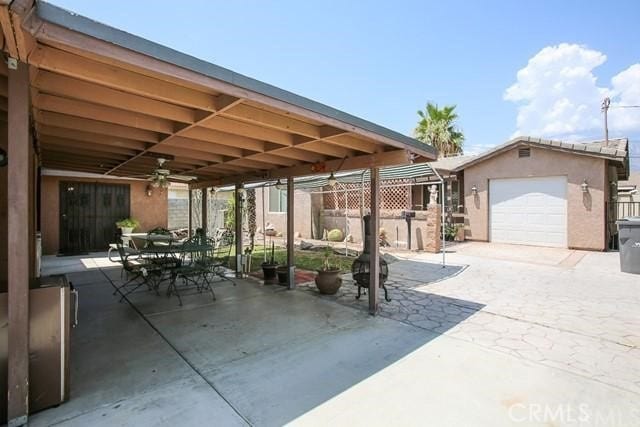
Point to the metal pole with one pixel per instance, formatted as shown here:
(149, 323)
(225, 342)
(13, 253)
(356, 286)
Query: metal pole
(205, 211)
(190, 222)
(605, 109)
(444, 244)
(290, 227)
(374, 259)
(238, 231)
(346, 220)
(264, 232)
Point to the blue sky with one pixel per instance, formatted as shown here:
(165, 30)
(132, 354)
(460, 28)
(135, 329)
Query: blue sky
(384, 60)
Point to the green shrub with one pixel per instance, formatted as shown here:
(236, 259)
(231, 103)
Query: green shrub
(335, 235)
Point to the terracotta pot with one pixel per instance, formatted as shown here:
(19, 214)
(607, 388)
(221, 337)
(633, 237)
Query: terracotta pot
(328, 281)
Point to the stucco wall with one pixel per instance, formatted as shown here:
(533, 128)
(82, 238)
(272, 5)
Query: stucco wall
(151, 211)
(585, 212)
(302, 213)
(390, 220)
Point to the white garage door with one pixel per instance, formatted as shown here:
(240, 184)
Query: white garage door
(529, 211)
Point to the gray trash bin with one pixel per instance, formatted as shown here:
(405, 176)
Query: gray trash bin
(629, 244)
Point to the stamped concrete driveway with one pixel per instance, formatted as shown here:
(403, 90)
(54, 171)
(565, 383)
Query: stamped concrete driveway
(502, 336)
(572, 310)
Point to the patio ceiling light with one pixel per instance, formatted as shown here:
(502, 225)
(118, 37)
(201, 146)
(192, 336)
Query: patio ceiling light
(332, 181)
(280, 185)
(585, 186)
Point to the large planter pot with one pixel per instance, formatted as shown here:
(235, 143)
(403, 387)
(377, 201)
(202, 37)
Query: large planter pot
(269, 271)
(328, 281)
(126, 230)
(283, 274)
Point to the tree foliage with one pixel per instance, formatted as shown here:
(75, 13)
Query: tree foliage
(437, 127)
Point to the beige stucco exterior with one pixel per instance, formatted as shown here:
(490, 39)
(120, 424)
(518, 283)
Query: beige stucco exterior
(585, 211)
(302, 213)
(150, 211)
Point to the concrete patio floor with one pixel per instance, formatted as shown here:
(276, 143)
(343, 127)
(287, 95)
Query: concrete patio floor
(485, 341)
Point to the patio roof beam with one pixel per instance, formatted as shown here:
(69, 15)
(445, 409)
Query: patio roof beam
(79, 67)
(47, 140)
(223, 102)
(388, 158)
(95, 126)
(89, 137)
(58, 84)
(88, 110)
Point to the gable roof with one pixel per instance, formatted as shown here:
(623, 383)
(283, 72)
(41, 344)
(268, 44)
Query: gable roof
(448, 164)
(615, 150)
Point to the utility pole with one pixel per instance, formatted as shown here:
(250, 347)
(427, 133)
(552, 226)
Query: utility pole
(605, 109)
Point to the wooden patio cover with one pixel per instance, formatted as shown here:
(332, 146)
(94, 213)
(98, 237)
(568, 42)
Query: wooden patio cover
(96, 99)
(108, 102)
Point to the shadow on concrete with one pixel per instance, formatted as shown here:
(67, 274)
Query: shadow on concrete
(257, 355)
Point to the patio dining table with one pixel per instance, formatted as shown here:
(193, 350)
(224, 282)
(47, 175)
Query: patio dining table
(170, 259)
(161, 239)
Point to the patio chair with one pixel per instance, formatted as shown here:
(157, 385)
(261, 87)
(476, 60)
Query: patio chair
(162, 237)
(217, 258)
(193, 268)
(132, 252)
(139, 272)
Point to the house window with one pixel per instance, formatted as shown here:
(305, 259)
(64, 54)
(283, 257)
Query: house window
(277, 200)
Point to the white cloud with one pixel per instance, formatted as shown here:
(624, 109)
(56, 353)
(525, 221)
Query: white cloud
(558, 95)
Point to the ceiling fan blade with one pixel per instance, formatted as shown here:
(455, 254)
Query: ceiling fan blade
(182, 177)
(138, 176)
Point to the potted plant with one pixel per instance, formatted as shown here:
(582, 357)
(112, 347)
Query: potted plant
(328, 279)
(127, 225)
(269, 266)
(283, 274)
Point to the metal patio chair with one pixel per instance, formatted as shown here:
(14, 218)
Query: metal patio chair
(193, 269)
(139, 272)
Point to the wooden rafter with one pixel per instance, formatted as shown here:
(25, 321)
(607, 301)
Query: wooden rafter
(222, 103)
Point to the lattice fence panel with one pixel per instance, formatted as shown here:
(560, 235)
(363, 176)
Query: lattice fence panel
(393, 195)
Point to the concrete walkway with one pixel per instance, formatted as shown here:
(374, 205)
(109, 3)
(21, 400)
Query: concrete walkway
(485, 341)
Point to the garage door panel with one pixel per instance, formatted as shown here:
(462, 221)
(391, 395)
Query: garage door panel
(529, 211)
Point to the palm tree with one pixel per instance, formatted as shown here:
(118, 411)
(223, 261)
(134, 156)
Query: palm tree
(438, 128)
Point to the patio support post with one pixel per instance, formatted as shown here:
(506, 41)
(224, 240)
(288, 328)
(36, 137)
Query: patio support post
(290, 222)
(190, 220)
(18, 245)
(374, 260)
(205, 211)
(238, 231)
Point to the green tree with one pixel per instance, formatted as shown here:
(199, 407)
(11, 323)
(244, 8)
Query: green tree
(437, 127)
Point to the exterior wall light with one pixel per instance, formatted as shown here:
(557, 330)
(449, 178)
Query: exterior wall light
(584, 186)
(332, 181)
(474, 190)
(280, 185)
(149, 190)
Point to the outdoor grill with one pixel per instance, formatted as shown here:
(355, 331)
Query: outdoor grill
(360, 267)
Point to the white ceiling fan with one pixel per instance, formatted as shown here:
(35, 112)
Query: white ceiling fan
(161, 176)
